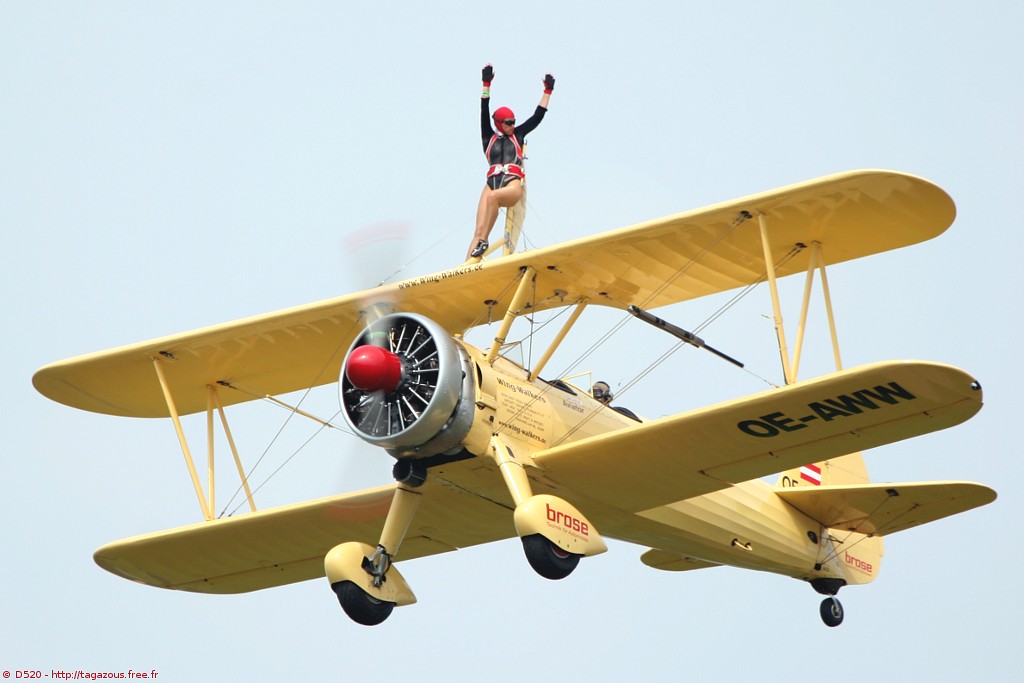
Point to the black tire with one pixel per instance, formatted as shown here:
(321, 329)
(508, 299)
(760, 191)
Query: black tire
(831, 612)
(547, 559)
(360, 606)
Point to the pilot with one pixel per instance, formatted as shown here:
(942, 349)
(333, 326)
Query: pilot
(503, 148)
(601, 392)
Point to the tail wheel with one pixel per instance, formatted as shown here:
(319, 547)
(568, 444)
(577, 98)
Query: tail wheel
(831, 612)
(547, 559)
(360, 606)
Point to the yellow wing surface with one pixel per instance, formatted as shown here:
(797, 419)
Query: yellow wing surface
(651, 264)
(630, 470)
(882, 509)
(711, 448)
(288, 544)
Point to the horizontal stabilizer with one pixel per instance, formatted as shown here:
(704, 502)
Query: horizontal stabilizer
(882, 509)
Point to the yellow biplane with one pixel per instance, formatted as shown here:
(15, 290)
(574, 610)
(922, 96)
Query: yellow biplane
(485, 449)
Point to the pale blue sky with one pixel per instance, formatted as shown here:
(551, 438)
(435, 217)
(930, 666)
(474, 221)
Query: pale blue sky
(165, 166)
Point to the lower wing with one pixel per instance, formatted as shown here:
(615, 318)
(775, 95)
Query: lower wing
(288, 544)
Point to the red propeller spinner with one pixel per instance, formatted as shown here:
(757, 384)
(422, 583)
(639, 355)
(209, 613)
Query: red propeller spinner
(371, 368)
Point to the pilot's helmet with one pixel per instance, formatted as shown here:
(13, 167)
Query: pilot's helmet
(601, 392)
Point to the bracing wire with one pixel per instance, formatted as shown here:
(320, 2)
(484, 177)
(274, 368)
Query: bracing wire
(673, 349)
(324, 425)
(342, 343)
(627, 317)
(850, 532)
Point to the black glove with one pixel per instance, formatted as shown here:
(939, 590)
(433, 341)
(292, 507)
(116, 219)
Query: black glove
(488, 74)
(549, 83)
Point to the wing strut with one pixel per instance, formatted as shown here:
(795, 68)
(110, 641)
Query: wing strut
(207, 515)
(234, 450)
(558, 339)
(517, 303)
(790, 367)
(212, 401)
(780, 331)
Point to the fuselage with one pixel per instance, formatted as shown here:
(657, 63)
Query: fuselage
(744, 525)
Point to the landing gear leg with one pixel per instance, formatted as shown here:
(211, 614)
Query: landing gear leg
(396, 525)
(377, 565)
(367, 586)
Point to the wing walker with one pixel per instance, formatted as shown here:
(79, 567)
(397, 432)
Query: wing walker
(484, 448)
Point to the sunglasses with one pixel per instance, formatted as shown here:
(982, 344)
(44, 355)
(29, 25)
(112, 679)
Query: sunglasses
(509, 122)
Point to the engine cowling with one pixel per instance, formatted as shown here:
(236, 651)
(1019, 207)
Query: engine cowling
(406, 386)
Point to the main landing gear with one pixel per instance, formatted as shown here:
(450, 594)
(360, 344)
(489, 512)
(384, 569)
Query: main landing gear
(555, 536)
(367, 585)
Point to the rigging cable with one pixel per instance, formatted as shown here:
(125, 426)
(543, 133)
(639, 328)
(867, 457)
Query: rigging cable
(741, 218)
(664, 356)
(343, 342)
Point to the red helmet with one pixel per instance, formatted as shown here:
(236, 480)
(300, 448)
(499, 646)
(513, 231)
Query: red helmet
(503, 113)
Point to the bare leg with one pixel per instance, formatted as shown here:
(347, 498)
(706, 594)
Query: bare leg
(487, 210)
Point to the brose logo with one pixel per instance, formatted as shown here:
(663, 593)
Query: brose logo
(858, 563)
(567, 521)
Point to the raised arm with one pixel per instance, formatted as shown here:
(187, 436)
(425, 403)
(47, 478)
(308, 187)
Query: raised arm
(485, 105)
(527, 126)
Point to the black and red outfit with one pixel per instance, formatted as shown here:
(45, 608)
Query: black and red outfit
(504, 153)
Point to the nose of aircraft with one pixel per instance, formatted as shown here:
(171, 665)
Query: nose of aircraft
(371, 368)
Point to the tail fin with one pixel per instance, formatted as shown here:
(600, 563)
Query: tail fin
(848, 469)
(853, 556)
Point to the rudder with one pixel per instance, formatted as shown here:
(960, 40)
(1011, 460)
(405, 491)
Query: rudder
(856, 557)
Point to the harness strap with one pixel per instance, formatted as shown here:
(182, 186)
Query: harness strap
(508, 169)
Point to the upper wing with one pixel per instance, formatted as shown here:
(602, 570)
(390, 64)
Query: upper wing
(651, 264)
(288, 544)
(882, 509)
(678, 457)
